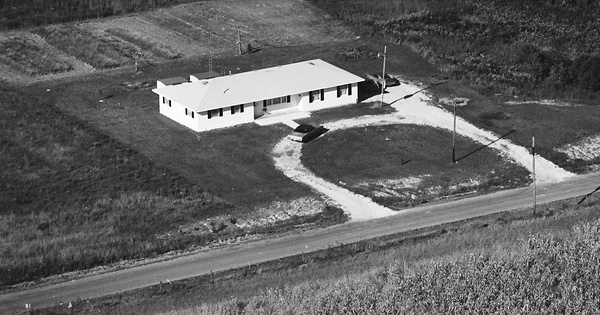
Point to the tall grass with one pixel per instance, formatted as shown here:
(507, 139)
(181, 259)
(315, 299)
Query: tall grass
(524, 47)
(24, 56)
(544, 273)
(73, 198)
(145, 43)
(28, 13)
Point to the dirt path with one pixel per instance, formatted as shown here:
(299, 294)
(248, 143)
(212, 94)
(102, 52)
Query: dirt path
(415, 110)
(287, 153)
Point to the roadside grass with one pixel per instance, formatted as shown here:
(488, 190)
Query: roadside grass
(25, 56)
(145, 43)
(99, 52)
(405, 165)
(499, 234)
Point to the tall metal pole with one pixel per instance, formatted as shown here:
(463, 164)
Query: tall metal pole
(534, 181)
(210, 63)
(383, 76)
(454, 135)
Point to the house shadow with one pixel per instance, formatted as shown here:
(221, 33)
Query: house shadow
(368, 89)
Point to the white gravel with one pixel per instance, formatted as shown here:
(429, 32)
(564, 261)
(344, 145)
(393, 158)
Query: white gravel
(415, 110)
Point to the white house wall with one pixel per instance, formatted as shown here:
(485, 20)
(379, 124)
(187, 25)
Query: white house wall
(200, 121)
(177, 112)
(227, 120)
(330, 99)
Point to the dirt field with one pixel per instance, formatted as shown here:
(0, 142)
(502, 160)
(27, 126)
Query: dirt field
(180, 31)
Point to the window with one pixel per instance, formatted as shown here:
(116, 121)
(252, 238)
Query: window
(164, 100)
(275, 101)
(169, 103)
(214, 112)
(350, 89)
(316, 95)
(189, 113)
(342, 90)
(237, 109)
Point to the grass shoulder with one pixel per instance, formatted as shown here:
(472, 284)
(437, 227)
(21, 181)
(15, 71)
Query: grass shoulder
(497, 235)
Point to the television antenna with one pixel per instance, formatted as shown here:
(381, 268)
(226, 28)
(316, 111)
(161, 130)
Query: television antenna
(210, 61)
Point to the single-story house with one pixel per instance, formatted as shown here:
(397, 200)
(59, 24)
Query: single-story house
(211, 103)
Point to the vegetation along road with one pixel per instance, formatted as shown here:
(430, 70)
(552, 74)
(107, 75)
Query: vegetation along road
(252, 253)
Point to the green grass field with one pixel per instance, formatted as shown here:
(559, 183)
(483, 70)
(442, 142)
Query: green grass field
(405, 165)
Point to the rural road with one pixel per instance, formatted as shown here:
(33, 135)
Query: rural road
(260, 251)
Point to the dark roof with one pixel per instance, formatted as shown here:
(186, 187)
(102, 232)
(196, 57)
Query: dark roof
(304, 128)
(173, 81)
(206, 75)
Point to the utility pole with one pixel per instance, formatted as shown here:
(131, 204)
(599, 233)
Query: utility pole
(534, 181)
(454, 135)
(383, 75)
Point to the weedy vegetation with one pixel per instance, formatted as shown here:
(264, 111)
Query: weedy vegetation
(145, 43)
(506, 51)
(28, 13)
(23, 55)
(101, 52)
(532, 48)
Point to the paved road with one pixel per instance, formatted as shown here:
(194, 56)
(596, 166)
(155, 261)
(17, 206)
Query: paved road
(256, 252)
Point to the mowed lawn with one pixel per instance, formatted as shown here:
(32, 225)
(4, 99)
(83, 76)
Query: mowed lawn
(403, 165)
(233, 163)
